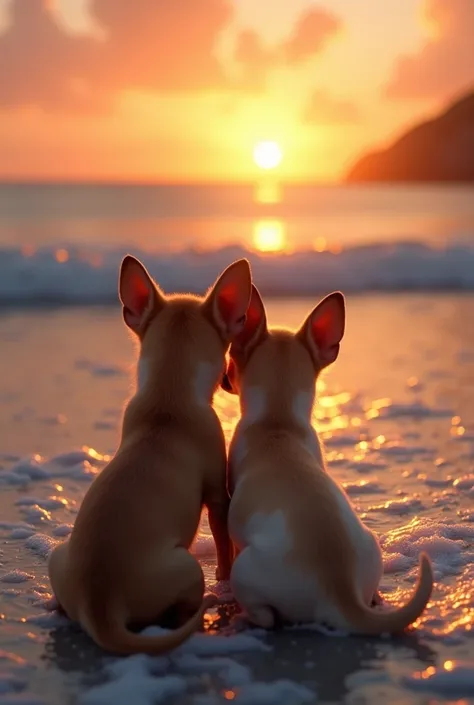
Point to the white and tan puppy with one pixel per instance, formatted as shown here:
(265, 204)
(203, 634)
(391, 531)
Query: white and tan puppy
(302, 551)
(127, 561)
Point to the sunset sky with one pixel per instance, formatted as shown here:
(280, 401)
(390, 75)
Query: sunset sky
(182, 90)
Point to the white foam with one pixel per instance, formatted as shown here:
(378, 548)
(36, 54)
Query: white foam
(396, 449)
(41, 544)
(341, 440)
(36, 515)
(363, 487)
(133, 683)
(407, 505)
(78, 465)
(464, 483)
(16, 576)
(48, 504)
(98, 369)
(216, 644)
(416, 410)
(450, 546)
(49, 620)
(366, 466)
(38, 277)
(62, 530)
(11, 683)
(230, 672)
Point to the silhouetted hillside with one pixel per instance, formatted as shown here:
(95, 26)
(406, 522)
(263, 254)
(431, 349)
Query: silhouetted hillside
(441, 149)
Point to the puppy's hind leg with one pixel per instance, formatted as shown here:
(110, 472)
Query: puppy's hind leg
(249, 593)
(175, 585)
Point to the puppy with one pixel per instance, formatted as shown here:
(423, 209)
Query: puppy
(302, 551)
(127, 561)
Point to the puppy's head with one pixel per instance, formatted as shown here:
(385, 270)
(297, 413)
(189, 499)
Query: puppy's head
(272, 359)
(184, 335)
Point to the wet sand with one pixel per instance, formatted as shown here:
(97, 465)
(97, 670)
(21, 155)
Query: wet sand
(397, 419)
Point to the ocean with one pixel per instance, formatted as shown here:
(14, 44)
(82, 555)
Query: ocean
(62, 243)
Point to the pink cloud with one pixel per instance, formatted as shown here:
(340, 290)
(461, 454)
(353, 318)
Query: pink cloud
(157, 45)
(154, 44)
(311, 34)
(445, 64)
(326, 109)
(41, 63)
(309, 37)
(162, 44)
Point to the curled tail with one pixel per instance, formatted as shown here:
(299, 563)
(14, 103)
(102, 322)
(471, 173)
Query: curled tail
(369, 622)
(112, 634)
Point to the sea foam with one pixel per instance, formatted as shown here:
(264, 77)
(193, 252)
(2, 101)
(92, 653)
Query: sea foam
(89, 276)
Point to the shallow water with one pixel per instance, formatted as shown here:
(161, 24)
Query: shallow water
(397, 418)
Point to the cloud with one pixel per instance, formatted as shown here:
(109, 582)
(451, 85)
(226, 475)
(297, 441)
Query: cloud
(310, 36)
(325, 109)
(162, 44)
(41, 63)
(445, 64)
(155, 45)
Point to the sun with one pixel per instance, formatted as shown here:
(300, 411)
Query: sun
(267, 155)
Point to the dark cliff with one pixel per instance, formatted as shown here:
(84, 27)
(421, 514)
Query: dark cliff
(441, 149)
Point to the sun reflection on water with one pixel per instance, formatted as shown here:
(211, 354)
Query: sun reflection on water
(269, 236)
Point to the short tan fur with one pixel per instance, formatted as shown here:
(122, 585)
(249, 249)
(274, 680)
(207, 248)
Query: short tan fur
(302, 552)
(127, 562)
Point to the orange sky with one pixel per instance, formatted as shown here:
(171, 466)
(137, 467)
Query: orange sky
(182, 90)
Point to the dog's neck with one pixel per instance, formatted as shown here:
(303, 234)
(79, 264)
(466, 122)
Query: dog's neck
(169, 394)
(286, 407)
(193, 383)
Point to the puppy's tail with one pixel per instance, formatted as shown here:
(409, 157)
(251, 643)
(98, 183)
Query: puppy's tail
(110, 633)
(369, 621)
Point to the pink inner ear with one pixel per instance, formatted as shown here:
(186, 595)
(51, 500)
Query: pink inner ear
(227, 302)
(139, 294)
(324, 330)
(327, 329)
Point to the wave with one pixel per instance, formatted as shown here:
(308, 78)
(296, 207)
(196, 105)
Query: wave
(77, 277)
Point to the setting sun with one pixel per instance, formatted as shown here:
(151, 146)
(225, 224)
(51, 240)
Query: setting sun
(269, 236)
(267, 155)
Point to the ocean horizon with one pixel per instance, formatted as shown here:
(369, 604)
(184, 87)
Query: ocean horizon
(62, 243)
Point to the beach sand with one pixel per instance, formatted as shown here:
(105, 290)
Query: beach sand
(397, 417)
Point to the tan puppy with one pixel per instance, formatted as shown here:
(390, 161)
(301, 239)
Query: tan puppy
(127, 561)
(302, 550)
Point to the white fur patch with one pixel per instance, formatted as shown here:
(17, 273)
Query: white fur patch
(254, 404)
(142, 373)
(205, 382)
(261, 575)
(302, 412)
(303, 406)
(269, 533)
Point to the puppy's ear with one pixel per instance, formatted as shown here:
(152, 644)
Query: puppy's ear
(255, 328)
(138, 293)
(323, 330)
(229, 298)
